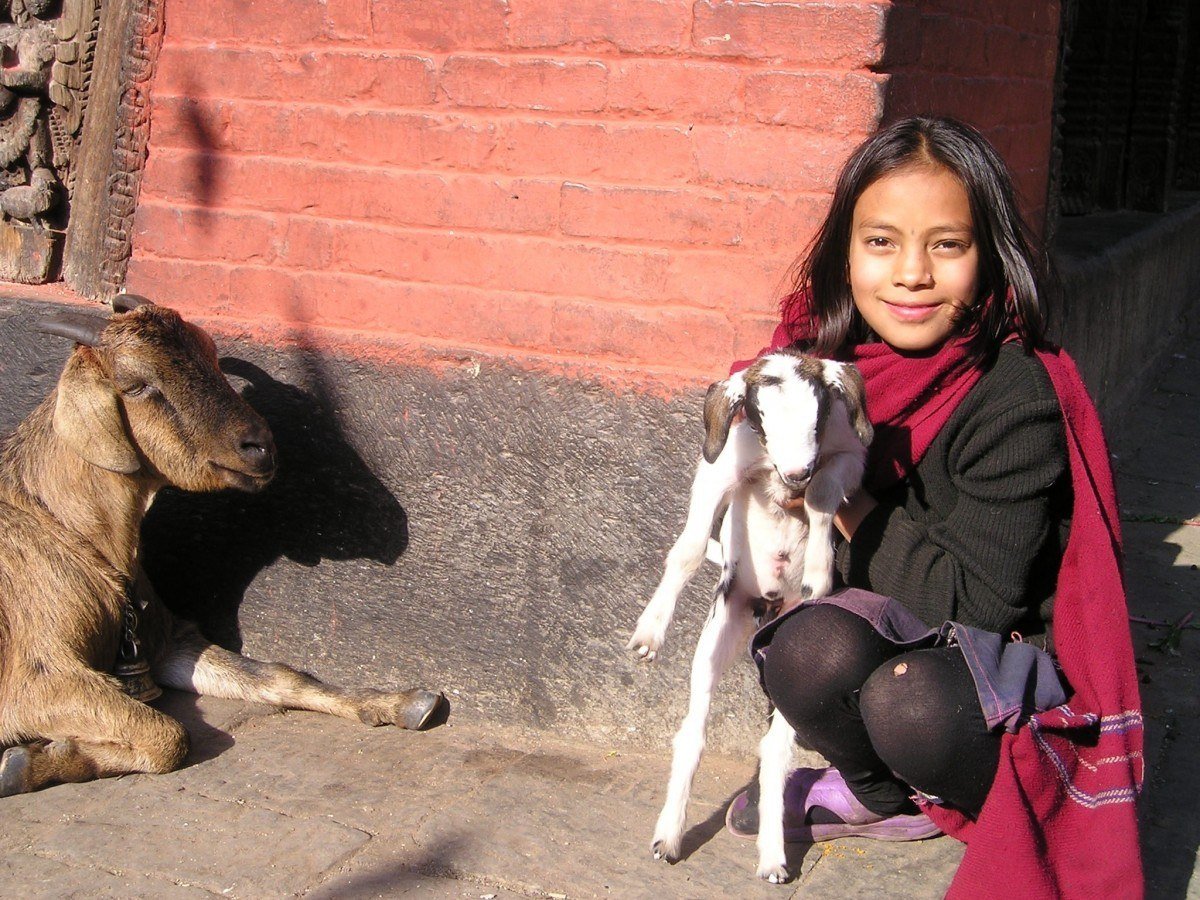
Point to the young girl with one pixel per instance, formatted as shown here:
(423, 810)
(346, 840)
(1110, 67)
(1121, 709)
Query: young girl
(976, 674)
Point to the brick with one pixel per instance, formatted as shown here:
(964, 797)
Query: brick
(904, 38)
(190, 122)
(442, 27)
(199, 234)
(414, 198)
(348, 19)
(686, 216)
(673, 216)
(547, 84)
(632, 26)
(306, 243)
(668, 336)
(325, 76)
(967, 38)
(271, 293)
(191, 287)
(837, 102)
(465, 316)
(381, 137)
(722, 280)
(1030, 16)
(809, 33)
(678, 87)
(1021, 55)
(501, 262)
(779, 159)
(248, 23)
(616, 151)
(752, 333)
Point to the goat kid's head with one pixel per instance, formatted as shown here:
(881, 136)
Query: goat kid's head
(786, 397)
(143, 394)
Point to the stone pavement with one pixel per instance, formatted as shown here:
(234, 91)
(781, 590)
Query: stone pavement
(277, 804)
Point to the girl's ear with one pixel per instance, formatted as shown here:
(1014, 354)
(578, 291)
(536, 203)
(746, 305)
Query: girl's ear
(721, 404)
(87, 416)
(847, 383)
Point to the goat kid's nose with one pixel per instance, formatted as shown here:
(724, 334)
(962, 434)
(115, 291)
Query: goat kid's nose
(797, 476)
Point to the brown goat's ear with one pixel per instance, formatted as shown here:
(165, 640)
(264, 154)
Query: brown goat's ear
(87, 417)
(721, 404)
(848, 384)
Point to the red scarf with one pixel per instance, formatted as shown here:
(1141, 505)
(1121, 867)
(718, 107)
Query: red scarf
(1060, 819)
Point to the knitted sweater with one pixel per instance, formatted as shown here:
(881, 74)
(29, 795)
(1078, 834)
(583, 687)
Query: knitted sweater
(977, 532)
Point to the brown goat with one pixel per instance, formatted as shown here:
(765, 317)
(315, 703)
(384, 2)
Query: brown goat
(140, 404)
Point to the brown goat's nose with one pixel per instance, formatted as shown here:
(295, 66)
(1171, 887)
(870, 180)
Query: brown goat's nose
(257, 448)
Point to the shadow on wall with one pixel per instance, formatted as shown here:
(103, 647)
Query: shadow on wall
(203, 551)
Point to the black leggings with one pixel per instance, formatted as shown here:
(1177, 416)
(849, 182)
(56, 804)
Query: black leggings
(885, 718)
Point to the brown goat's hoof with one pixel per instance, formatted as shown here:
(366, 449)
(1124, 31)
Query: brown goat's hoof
(16, 769)
(421, 710)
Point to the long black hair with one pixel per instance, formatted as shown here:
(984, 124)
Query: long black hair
(1009, 298)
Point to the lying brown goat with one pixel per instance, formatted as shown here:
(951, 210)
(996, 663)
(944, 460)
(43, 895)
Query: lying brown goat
(140, 404)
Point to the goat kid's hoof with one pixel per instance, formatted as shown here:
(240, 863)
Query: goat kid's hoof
(774, 874)
(16, 770)
(422, 708)
(666, 850)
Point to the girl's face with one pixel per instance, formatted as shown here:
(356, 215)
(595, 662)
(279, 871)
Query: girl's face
(913, 259)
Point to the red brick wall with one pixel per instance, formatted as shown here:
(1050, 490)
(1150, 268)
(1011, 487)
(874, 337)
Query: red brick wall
(989, 63)
(614, 184)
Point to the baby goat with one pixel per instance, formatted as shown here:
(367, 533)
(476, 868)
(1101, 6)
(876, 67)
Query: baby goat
(140, 404)
(805, 432)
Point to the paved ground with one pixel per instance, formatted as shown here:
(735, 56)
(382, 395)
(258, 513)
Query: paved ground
(275, 804)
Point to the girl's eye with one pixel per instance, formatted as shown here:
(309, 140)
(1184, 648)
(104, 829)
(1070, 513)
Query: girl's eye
(951, 246)
(878, 242)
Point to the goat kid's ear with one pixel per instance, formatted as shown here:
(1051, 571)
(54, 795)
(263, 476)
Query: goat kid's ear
(721, 404)
(87, 416)
(849, 386)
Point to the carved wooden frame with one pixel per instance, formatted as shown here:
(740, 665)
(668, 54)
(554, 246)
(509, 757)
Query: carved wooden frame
(112, 154)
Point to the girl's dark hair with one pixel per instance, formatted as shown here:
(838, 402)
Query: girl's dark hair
(1010, 272)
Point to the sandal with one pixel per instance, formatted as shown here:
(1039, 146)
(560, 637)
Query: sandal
(827, 789)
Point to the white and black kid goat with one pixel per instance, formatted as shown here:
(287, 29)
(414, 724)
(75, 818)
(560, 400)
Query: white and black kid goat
(804, 431)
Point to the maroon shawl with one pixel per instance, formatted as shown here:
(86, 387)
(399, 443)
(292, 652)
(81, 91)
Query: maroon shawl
(1060, 817)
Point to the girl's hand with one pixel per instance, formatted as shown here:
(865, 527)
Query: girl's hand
(852, 512)
(848, 515)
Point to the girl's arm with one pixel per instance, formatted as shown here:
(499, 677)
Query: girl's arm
(975, 561)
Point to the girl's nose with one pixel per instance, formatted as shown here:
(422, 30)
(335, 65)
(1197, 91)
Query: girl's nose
(913, 270)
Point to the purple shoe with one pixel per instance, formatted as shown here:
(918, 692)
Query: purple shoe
(826, 788)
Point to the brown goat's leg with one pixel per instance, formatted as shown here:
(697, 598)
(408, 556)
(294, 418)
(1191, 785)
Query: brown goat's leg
(194, 664)
(93, 731)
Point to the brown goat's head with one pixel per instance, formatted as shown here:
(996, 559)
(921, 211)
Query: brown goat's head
(142, 394)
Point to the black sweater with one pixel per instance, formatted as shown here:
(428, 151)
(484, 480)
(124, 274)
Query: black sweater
(976, 534)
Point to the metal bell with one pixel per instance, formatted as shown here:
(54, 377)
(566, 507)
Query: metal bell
(134, 675)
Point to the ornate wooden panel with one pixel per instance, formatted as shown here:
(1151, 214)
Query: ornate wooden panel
(73, 128)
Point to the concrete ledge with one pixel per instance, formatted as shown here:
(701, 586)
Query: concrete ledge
(1129, 282)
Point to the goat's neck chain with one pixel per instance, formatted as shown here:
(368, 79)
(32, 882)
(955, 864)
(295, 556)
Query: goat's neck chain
(131, 669)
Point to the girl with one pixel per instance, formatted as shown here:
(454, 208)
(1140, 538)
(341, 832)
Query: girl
(976, 675)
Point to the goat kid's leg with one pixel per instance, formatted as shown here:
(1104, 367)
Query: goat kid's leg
(194, 664)
(775, 754)
(723, 637)
(710, 490)
(90, 730)
(825, 494)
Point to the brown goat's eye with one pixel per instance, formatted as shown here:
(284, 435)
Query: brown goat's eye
(139, 389)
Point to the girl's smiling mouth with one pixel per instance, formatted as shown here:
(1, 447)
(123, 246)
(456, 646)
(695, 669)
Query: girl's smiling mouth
(909, 312)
